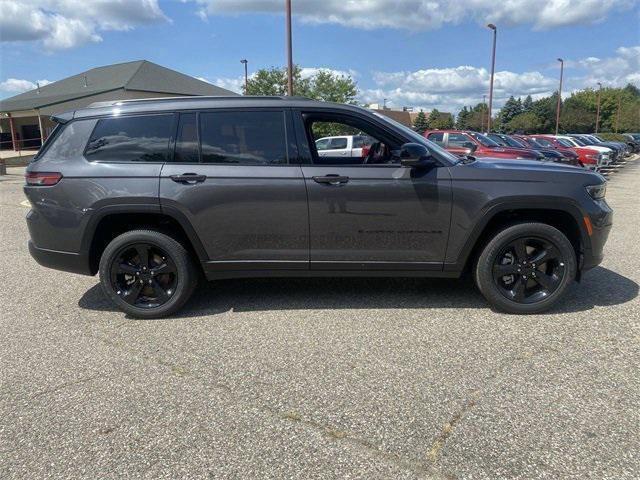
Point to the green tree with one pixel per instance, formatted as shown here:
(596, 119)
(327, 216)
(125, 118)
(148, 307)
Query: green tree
(527, 104)
(438, 120)
(511, 108)
(420, 124)
(526, 122)
(324, 85)
(462, 119)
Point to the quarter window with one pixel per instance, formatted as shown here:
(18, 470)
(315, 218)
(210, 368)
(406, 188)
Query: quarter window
(131, 139)
(245, 138)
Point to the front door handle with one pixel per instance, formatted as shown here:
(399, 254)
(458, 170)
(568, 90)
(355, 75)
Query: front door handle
(188, 178)
(331, 179)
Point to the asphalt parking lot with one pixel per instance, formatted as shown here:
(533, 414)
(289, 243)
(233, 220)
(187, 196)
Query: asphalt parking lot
(320, 378)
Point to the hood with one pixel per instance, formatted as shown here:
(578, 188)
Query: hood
(524, 165)
(518, 152)
(598, 148)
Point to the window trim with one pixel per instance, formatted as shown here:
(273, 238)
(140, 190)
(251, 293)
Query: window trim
(170, 143)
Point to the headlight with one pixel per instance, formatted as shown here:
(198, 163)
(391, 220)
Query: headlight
(597, 192)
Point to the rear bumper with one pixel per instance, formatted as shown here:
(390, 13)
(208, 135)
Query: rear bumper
(65, 261)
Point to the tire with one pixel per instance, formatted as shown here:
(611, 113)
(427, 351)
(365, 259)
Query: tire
(154, 284)
(523, 287)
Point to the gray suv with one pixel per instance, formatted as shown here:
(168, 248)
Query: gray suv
(155, 194)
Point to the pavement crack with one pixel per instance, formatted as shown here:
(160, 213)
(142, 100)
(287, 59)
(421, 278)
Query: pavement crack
(439, 443)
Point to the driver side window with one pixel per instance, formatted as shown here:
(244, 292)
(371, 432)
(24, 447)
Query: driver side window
(345, 140)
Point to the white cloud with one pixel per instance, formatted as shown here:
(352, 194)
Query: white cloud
(452, 88)
(62, 24)
(15, 85)
(426, 14)
(614, 71)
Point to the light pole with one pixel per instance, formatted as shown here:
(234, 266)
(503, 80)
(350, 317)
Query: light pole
(289, 51)
(493, 70)
(618, 112)
(559, 95)
(484, 105)
(246, 77)
(384, 103)
(598, 107)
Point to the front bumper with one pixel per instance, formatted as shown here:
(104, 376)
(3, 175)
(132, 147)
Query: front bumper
(601, 221)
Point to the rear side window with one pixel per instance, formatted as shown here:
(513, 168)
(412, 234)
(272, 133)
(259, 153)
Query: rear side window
(244, 138)
(338, 143)
(142, 138)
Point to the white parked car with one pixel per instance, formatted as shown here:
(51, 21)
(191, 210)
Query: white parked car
(343, 146)
(607, 153)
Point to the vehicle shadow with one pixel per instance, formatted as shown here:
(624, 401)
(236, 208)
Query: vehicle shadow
(600, 287)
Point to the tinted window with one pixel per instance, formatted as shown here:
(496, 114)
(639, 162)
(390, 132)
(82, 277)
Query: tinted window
(187, 140)
(544, 142)
(496, 138)
(459, 139)
(437, 137)
(360, 141)
(131, 139)
(67, 141)
(246, 138)
(338, 143)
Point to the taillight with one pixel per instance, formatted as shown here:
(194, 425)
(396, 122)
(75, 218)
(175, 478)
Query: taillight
(42, 179)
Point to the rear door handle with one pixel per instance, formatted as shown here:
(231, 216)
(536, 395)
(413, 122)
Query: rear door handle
(188, 178)
(331, 179)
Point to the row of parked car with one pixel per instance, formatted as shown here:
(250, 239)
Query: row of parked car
(587, 150)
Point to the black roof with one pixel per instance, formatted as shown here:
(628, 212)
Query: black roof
(149, 105)
(141, 75)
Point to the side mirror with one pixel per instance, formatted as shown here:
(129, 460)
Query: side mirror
(415, 155)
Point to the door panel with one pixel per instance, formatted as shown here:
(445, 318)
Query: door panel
(378, 217)
(244, 215)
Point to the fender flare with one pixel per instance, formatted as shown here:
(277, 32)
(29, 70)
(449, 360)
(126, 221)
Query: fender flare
(491, 210)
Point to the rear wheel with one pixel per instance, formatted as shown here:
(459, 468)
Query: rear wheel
(147, 274)
(526, 268)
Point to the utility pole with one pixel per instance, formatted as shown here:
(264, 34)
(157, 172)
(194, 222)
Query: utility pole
(618, 112)
(598, 107)
(246, 77)
(559, 95)
(493, 70)
(289, 51)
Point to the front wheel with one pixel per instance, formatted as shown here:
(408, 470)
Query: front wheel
(147, 274)
(526, 268)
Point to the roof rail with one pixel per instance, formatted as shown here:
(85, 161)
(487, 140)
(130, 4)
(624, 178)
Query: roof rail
(111, 103)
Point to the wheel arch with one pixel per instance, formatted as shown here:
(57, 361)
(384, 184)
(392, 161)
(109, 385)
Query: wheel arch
(113, 221)
(566, 217)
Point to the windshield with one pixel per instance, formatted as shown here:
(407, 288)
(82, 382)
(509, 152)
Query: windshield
(536, 143)
(567, 143)
(417, 138)
(486, 141)
(580, 141)
(512, 142)
(593, 138)
(496, 138)
(545, 143)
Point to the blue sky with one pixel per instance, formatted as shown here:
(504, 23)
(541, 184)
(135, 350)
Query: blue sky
(411, 52)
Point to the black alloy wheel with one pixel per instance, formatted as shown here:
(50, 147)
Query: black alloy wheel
(528, 270)
(144, 275)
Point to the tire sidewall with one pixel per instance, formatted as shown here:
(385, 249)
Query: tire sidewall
(484, 266)
(185, 272)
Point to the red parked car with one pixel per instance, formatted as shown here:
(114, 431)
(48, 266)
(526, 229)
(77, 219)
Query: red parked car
(590, 158)
(464, 142)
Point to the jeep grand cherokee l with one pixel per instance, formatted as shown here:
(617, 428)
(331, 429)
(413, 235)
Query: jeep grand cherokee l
(154, 194)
